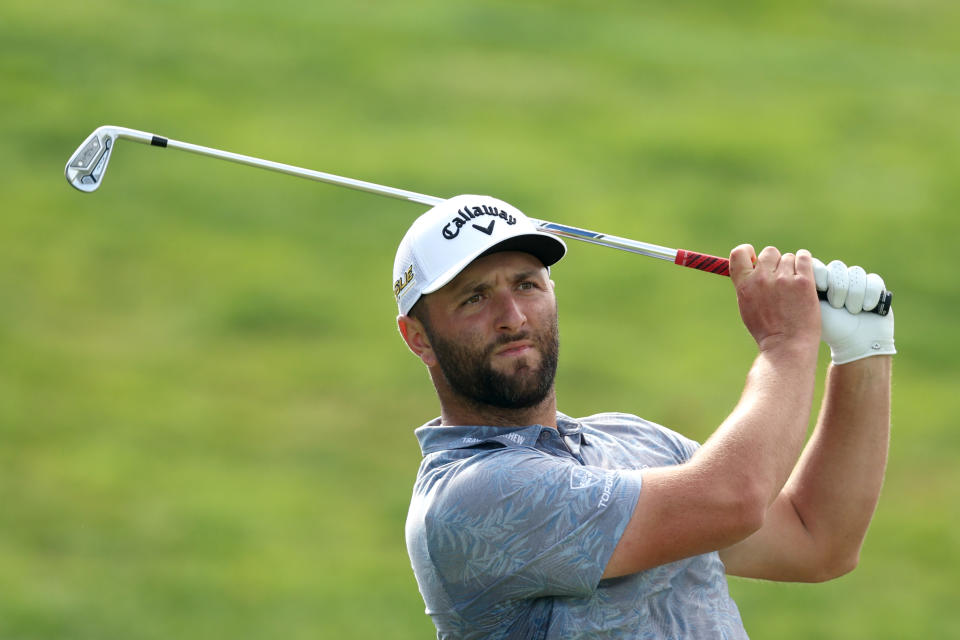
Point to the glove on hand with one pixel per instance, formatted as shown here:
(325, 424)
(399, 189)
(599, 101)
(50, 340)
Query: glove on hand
(851, 333)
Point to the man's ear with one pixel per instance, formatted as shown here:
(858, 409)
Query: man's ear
(416, 338)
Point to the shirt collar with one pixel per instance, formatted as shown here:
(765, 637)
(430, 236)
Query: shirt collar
(571, 431)
(434, 437)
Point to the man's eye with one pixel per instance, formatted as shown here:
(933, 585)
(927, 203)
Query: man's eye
(474, 299)
(527, 285)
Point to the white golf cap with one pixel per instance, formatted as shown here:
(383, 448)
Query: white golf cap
(444, 240)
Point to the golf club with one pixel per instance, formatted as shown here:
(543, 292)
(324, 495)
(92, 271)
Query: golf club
(88, 164)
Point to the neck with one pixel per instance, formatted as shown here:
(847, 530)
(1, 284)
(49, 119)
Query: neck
(456, 411)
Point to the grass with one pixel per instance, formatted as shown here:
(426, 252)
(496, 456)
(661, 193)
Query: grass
(205, 410)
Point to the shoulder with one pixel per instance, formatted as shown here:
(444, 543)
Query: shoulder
(469, 478)
(631, 429)
(466, 502)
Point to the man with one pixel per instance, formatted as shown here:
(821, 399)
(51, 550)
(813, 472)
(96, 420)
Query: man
(526, 523)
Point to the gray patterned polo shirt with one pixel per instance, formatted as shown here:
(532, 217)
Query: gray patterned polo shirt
(510, 529)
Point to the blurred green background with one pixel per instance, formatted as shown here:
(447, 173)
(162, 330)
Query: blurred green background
(206, 413)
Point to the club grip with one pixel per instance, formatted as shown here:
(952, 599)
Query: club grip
(721, 267)
(703, 262)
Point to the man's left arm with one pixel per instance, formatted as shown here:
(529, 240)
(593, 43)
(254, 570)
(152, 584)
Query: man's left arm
(815, 528)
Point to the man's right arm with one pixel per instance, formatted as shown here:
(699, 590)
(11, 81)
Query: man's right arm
(721, 495)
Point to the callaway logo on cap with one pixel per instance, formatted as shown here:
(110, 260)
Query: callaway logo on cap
(448, 237)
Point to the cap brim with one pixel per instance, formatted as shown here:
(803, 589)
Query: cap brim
(547, 248)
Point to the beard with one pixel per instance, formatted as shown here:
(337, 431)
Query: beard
(470, 373)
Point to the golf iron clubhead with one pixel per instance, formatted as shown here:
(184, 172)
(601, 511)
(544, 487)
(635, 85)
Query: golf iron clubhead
(87, 166)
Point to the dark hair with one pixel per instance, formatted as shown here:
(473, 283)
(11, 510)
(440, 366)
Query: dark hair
(421, 314)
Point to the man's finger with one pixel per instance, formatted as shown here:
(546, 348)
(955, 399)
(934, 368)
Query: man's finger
(788, 264)
(742, 259)
(837, 290)
(856, 289)
(821, 275)
(804, 262)
(769, 258)
(874, 289)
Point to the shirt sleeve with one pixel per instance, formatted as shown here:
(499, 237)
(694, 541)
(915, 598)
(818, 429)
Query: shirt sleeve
(518, 524)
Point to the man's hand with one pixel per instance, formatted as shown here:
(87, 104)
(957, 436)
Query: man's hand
(776, 295)
(851, 334)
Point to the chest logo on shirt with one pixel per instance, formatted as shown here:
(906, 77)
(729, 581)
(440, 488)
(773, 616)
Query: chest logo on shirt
(581, 478)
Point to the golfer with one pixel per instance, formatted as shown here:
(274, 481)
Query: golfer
(528, 523)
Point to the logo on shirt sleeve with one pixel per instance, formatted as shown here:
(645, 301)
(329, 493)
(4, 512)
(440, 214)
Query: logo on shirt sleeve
(607, 491)
(581, 478)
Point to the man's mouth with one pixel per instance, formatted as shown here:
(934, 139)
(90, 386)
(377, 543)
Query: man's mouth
(513, 349)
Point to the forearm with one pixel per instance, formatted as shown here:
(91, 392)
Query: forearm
(760, 441)
(722, 494)
(837, 482)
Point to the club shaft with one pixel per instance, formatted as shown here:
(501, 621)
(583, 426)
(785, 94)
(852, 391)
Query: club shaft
(604, 240)
(310, 174)
(89, 163)
(566, 231)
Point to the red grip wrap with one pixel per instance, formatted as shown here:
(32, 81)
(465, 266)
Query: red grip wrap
(703, 262)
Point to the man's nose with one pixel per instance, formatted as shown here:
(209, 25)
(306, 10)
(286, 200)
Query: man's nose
(510, 316)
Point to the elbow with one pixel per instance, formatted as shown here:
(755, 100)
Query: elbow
(753, 513)
(849, 564)
(747, 508)
(832, 568)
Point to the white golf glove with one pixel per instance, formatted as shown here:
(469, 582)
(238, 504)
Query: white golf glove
(846, 324)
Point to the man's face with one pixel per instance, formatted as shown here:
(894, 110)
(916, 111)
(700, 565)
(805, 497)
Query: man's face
(494, 331)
